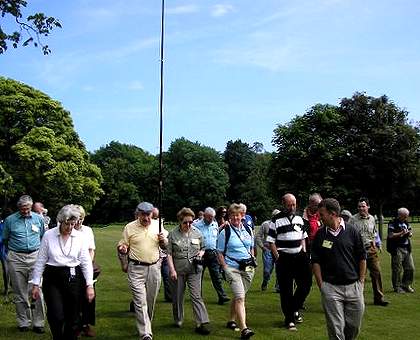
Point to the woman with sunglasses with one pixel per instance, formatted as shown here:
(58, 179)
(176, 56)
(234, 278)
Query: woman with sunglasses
(185, 250)
(63, 259)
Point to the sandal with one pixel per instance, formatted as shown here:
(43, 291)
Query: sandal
(246, 333)
(232, 325)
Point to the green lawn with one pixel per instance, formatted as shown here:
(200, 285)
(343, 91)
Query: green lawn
(397, 321)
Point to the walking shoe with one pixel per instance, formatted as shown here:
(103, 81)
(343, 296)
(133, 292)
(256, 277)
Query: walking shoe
(409, 289)
(178, 324)
(38, 330)
(246, 333)
(223, 300)
(291, 326)
(233, 326)
(147, 337)
(23, 329)
(381, 303)
(264, 286)
(203, 329)
(298, 317)
(88, 331)
(399, 290)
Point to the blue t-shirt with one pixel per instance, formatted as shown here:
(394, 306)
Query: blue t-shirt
(247, 220)
(236, 249)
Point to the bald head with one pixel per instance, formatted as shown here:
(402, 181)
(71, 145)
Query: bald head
(289, 203)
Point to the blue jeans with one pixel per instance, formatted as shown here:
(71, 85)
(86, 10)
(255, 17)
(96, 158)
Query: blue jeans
(268, 264)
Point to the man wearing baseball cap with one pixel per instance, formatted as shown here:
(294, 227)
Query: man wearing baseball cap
(141, 239)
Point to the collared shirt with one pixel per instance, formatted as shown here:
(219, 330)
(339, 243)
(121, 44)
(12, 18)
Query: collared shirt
(262, 233)
(88, 234)
(54, 252)
(210, 233)
(184, 247)
(23, 234)
(142, 241)
(335, 232)
(238, 248)
(287, 232)
(366, 226)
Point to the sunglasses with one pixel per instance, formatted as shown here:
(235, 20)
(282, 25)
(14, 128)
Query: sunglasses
(187, 222)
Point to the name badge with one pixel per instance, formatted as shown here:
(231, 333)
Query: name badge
(35, 228)
(72, 271)
(327, 244)
(195, 241)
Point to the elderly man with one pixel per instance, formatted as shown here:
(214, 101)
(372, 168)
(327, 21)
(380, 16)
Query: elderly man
(22, 235)
(267, 257)
(287, 243)
(141, 239)
(210, 230)
(365, 224)
(339, 265)
(398, 244)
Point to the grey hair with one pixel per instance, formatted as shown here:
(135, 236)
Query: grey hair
(243, 207)
(210, 211)
(68, 212)
(24, 200)
(315, 197)
(403, 211)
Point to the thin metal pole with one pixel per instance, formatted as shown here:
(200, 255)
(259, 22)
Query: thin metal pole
(162, 34)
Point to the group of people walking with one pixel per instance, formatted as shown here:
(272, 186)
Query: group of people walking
(57, 265)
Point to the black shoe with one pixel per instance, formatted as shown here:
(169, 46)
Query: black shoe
(23, 329)
(264, 286)
(381, 303)
(147, 337)
(203, 329)
(246, 333)
(232, 325)
(223, 300)
(39, 330)
(298, 317)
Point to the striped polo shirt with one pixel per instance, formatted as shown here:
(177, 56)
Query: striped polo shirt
(287, 232)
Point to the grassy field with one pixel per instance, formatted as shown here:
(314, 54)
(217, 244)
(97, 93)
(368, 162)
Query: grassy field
(397, 321)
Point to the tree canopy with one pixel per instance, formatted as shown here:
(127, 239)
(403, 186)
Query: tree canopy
(40, 152)
(29, 31)
(365, 146)
(194, 176)
(130, 176)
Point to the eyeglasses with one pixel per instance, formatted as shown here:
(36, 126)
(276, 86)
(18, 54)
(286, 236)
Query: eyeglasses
(187, 222)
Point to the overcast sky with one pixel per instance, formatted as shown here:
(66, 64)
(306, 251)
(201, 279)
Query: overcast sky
(233, 69)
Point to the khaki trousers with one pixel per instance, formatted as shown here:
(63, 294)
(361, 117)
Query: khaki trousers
(20, 271)
(144, 282)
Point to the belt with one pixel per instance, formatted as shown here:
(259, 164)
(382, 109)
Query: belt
(141, 263)
(26, 251)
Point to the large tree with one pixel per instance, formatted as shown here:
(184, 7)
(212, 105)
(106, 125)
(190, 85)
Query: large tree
(27, 31)
(130, 176)
(40, 152)
(195, 177)
(364, 146)
(239, 158)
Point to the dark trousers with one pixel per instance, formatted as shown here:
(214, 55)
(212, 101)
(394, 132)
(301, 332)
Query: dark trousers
(290, 269)
(164, 271)
(62, 296)
(210, 261)
(88, 310)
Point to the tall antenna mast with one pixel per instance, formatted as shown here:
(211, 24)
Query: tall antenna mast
(162, 35)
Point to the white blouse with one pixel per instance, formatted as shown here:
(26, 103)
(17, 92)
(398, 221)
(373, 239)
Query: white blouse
(55, 253)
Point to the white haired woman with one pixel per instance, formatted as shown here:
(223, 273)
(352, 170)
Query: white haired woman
(62, 260)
